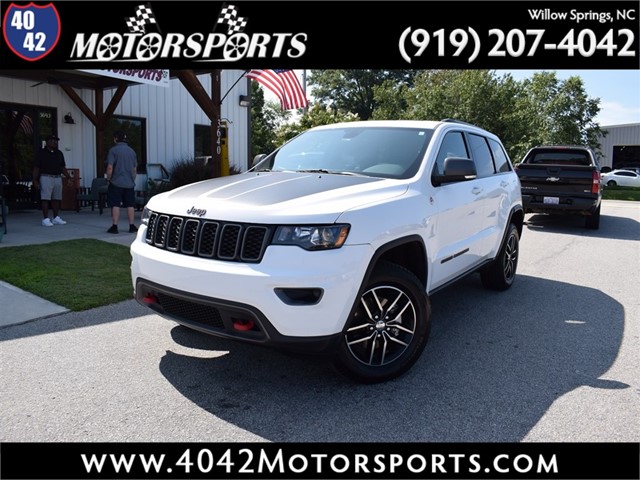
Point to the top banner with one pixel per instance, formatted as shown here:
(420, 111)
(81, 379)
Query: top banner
(321, 34)
(159, 78)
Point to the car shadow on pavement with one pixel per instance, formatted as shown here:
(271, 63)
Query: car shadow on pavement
(613, 227)
(494, 364)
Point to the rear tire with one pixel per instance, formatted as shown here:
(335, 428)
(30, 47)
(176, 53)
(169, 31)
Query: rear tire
(501, 273)
(389, 328)
(592, 221)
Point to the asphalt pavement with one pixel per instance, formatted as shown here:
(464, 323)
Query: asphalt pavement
(25, 228)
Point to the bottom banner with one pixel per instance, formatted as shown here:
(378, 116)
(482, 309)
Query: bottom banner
(583, 461)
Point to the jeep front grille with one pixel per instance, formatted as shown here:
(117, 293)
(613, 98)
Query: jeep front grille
(233, 242)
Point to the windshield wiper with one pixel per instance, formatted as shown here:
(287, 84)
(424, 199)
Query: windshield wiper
(331, 172)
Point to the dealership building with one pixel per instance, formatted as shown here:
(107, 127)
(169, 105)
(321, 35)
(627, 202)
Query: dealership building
(169, 117)
(620, 146)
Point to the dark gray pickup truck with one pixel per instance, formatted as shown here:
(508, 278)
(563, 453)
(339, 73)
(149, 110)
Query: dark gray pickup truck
(561, 179)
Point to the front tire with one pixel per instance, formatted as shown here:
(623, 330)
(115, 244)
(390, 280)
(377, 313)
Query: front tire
(388, 329)
(501, 273)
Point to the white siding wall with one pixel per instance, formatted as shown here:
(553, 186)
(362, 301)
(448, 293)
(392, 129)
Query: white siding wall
(170, 115)
(618, 135)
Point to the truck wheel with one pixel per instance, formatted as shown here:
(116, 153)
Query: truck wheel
(593, 221)
(389, 328)
(501, 273)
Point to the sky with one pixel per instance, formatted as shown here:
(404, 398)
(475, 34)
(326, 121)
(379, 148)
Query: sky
(618, 91)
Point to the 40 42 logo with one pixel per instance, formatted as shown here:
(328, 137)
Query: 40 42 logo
(31, 31)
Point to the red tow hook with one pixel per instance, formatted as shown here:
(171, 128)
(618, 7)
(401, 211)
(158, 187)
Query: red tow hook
(150, 299)
(243, 325)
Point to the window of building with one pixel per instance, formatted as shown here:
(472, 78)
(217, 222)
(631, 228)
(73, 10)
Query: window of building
(23, 129)
(136, 129)
(626, 157)
(202, 140)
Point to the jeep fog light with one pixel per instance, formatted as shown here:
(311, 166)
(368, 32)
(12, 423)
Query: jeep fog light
(312, 237)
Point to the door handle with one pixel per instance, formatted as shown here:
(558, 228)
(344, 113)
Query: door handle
(476, 190)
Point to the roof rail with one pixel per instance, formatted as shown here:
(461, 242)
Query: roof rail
(453, 120)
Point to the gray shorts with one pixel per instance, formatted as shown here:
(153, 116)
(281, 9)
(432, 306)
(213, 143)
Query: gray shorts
(50, 187)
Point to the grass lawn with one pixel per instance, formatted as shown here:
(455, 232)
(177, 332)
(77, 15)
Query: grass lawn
(621, 193)
(77, 274)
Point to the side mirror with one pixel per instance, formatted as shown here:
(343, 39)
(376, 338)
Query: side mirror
(257, 159)
(456, 170)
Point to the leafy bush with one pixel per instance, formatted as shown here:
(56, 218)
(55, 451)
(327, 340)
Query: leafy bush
(186, 171)
(183, 172)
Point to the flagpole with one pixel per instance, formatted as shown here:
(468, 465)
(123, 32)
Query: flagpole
(304, 89)
(234, 84)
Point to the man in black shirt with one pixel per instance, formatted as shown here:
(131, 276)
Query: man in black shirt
(48, 167)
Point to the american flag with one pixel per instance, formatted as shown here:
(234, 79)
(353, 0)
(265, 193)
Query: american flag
(229, 15)
(144, 16)
(26, 124)
(284, 84)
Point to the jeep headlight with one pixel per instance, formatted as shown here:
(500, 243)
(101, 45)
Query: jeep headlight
(312, 237)
(144, 218)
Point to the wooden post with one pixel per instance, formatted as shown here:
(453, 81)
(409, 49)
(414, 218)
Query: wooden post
(216, 132)
(100, 126)
(210, 106)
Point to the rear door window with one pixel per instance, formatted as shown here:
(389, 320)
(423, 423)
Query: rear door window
(499, 157)
(481, 155)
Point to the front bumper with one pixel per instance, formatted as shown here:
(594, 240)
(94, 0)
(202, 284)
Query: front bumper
(292, 297)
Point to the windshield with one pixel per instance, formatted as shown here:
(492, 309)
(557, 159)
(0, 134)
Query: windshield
(372, 151)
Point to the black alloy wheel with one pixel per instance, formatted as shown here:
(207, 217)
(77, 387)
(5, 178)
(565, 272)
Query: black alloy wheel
(389, 328)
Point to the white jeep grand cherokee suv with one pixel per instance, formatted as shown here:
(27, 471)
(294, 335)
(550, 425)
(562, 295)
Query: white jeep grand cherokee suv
(333, 243)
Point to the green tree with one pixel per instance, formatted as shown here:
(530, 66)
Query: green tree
(535, 111)
(559, 111)
(353, 90)
(468, 95)
(480, 97)
(542, 109)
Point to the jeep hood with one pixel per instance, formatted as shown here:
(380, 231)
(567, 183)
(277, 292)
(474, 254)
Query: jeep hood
(277, 197)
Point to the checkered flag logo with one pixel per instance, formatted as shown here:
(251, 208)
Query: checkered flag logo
(229, 16)
(144, 16)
